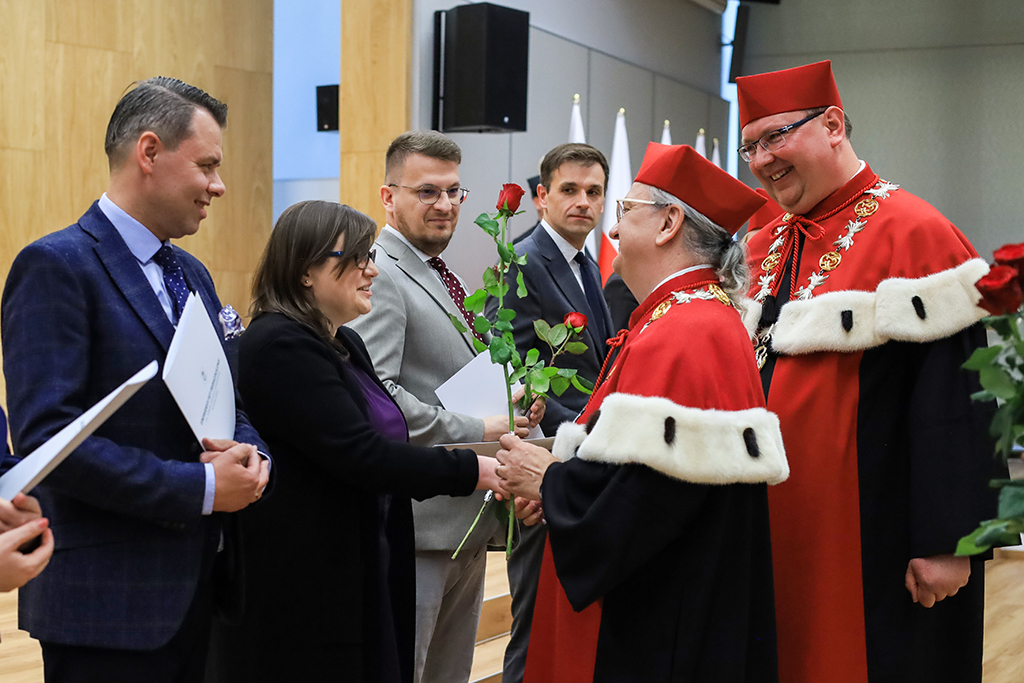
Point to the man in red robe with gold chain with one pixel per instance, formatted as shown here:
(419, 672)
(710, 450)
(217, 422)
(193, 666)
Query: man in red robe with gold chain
(658, 562)
(867, 309)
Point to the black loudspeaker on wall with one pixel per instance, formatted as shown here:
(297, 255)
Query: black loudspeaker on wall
(326, 107)
(481, 58)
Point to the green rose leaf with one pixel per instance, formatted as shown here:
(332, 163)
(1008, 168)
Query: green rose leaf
(558, 334)
(506, 314)
(982, 357)
(566, 372)
(968, 545)
(475, 302)
(576, 348)
(490, 278)
(996, 380)
(500, 351)
(521, 260)
(503, 326)
(504, 254)
(538, 380)
(481, 324)
(479, 345)
(1011, 502)
(520, 285)
(489, 225)
(542, 329)
(1001, 324)
(582, 384)
(518, 374)
(559, 385)
(459, 325)
(533, 354)
(551, 371)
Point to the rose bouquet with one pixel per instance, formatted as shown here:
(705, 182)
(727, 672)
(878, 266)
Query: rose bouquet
(1001, 373)
(538, 378)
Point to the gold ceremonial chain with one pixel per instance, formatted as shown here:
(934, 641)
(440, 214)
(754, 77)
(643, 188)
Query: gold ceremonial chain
(826, 264)
(711, 292)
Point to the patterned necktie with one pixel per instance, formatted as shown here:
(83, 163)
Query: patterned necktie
(174, 279)
(595, 298)
(455, 291)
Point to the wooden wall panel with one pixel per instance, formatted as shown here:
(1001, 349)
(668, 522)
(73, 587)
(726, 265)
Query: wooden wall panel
(374, 94)
(248, 43)
(22, 74)
(104, 24)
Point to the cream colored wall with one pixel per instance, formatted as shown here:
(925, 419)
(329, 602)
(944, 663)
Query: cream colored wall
(63, 66)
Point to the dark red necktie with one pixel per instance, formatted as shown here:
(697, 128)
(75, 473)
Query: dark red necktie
(455, 291)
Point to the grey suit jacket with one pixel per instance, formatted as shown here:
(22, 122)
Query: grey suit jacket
(415, 348)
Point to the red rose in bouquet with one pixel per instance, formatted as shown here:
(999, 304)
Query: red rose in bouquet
(1011, 255)
(1000, 290)
(577, 321)
(508, 200)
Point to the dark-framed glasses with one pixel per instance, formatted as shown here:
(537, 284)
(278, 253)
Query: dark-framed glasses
(621, 210)
(774, 140)
(430, 195)
(371, 256)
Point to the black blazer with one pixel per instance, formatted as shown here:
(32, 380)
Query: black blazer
(315, 552)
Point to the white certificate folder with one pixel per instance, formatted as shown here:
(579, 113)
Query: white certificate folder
(197, 374)
(34, 467)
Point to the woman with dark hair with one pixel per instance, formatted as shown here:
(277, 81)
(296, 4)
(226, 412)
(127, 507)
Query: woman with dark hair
(328, 559)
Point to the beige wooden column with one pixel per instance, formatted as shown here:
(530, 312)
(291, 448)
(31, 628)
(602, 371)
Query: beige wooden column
(374, 95)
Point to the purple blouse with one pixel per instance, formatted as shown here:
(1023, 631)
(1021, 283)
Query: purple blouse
(385, 416)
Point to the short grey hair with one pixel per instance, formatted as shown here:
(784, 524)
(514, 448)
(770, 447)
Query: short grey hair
(711, 243)
(161, 105)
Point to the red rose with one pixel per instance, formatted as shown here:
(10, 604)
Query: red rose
(577, 321)
(508, 200)
(1012, 255)
(1000, 290)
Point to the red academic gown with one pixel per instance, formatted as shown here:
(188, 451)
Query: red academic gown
(658, 563)
(890, 458)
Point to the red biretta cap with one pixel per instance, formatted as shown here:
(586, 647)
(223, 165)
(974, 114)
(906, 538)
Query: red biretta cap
(766, 214)
(803, 87)
(684, 173)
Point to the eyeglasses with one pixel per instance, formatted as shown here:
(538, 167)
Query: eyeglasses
(371, 256)
(621, 210)
(430, 195)
(774, 140)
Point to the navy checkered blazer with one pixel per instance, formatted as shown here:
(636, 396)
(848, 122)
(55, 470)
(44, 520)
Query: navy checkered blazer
(78, 318)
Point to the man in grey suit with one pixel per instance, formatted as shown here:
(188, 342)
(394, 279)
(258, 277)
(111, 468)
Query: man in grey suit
(415, 348)
(560, 278)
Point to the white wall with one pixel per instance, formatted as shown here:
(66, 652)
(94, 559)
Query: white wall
(935, 89)
(659, 59)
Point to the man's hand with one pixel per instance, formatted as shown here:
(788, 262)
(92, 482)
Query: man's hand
(529, 511)
(16, 568)
(536, 412)
(496, 425)
(522, 467)
(20, 510)
(930, 579)
(240, 473)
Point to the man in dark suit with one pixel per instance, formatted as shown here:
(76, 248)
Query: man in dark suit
(560, 279)
(137, 510)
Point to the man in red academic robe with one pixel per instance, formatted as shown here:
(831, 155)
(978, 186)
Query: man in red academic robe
(866, 309)
(658, 563)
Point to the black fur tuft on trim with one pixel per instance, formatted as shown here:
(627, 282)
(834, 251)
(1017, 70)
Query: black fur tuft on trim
(750, 439)
(670, 430)
(593, 421)
(847, 316)
(918, 307)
